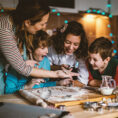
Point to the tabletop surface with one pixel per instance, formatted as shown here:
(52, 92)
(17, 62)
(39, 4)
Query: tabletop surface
(77, 111)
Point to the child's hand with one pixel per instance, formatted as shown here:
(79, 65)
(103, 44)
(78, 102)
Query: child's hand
(31, 62)
(95, 83)
(64, 82)
(32, 83)
(77, 83)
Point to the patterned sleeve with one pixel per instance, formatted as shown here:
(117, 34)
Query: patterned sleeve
(10, 52)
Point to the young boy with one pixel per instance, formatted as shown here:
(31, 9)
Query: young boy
(101, 62)
(15, 81)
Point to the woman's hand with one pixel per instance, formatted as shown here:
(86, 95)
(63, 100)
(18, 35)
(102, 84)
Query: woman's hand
(31, 63)
(33, 82)
(66, 67)
(66, 73)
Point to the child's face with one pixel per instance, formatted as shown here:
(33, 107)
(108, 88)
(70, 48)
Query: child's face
(40, 52)
(97, 62)
(71, 44)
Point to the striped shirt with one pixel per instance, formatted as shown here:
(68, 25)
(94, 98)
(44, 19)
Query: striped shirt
(9, 52)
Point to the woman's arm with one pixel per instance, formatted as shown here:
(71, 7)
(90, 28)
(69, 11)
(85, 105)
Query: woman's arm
(52, 74)
(55, 67)
(9, 49)
(11, 54)
(59, 67)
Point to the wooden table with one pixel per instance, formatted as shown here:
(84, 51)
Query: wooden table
(77, 111)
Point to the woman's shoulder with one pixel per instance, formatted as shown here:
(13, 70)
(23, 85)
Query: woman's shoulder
(5, 22)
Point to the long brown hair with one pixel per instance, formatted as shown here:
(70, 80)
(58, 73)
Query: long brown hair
(76, 29)
(32, 10)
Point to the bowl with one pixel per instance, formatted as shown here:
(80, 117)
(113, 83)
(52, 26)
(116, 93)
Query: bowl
(106, 90)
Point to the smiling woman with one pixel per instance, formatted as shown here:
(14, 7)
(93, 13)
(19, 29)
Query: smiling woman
(70, 46)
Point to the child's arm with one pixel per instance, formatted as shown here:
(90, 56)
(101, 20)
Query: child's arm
(47, 83)
(77, 83)
(64, 82)
(95, 83)
(33, 82)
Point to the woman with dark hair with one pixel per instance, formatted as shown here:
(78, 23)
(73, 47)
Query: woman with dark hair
(16, 29)
(69, 49)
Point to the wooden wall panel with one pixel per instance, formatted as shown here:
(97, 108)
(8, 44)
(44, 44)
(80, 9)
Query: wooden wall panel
(94, 25)
(94, 28)
(114, 28)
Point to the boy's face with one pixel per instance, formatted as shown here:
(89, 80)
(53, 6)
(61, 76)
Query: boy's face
(97, 62)
(40, 53)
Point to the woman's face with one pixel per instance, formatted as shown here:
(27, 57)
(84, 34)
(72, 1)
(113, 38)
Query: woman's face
(71, 44)
(38, 26)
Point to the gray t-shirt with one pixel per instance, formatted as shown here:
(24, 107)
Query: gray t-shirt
(59, 59)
